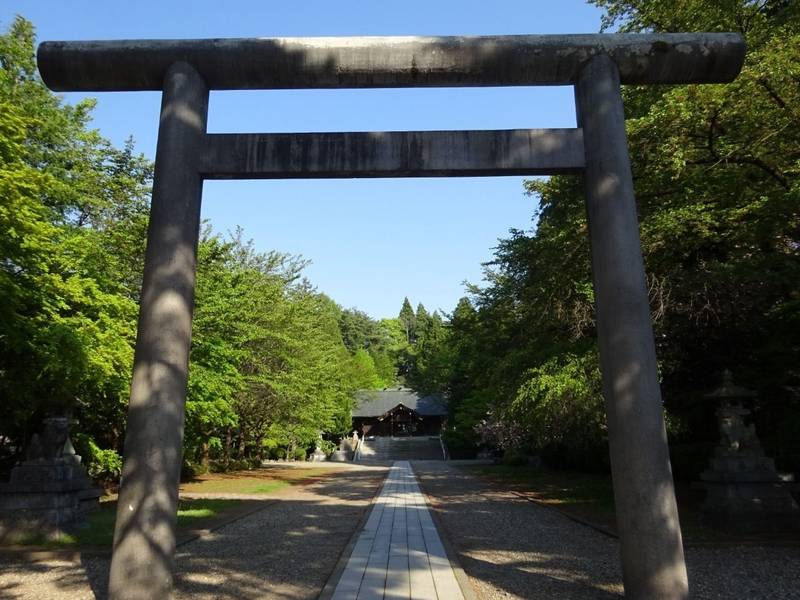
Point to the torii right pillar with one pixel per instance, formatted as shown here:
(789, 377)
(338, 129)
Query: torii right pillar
(653, 565)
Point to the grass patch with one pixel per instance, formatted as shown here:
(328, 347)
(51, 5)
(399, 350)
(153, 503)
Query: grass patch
(261, 481)
(266, 488)
(99, 530)
(190, 512)
(242, 485)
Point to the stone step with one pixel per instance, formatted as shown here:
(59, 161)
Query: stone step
(385, 449)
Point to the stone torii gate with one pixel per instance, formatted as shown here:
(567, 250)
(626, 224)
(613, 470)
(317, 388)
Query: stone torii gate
(596, 65)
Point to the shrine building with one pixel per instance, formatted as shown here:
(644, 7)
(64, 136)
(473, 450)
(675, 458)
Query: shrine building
(398, 412)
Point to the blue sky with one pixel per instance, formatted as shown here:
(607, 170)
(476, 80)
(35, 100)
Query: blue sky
(371, 242)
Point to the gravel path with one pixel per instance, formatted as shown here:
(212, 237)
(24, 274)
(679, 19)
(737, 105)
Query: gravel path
(512, 548)
(288, 550)
(509, 548)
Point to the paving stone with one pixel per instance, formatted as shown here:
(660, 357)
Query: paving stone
(399, 553)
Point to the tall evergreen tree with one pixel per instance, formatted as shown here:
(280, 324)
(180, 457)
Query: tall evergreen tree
(407, 320)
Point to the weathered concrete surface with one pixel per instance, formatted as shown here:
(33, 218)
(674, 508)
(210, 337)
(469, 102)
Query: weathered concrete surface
(647, 516)
(370, 62)
(144, 538)
(393, 154)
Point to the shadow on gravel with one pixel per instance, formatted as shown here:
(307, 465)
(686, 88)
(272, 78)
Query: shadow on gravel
(515, 546)
(509, 545)
(287, 550)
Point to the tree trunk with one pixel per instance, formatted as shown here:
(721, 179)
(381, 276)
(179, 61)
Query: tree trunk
(226, 450)
(205, 459)
(242, 443)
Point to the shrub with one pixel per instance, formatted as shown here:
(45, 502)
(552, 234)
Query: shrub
(327, 446)
(220, 466)
(103, 466)
(560, 406)
(514, 458)
(190, 470)
(106, 467)
(299, 453)
(277, 453)
(460, 444)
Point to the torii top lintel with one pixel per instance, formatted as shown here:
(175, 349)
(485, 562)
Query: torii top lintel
(390, 62)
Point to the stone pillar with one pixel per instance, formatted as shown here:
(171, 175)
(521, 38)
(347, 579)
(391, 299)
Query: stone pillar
(144, 538)
(647, 516)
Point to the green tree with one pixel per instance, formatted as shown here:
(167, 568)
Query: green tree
(362, 333)
(365, 375)
(716, 175)
(407, 320)
(421, 323)
(67, 197)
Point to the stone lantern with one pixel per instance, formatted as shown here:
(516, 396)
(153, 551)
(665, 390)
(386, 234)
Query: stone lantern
(745, 491)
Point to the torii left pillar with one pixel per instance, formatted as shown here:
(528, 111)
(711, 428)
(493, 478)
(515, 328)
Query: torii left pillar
(142, 561)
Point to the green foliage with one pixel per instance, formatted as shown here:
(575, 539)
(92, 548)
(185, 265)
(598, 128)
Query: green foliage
(365, 374)
(271, 358)
(327, 446)
(716, 174)
(268, 363)
(372, 345)
(408, 320)
(67, 322)
(105, 466)
(514, 458)
(560, 402)
(359, 331)
(716, 171)
(102, 465)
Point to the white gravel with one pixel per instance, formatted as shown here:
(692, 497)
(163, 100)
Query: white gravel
(512, 548)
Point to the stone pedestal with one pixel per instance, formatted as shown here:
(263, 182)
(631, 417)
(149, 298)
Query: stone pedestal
(745, 491)
(747, 494)
(44, 509)
(48, 494)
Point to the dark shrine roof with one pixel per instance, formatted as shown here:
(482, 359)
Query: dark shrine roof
(375, 403)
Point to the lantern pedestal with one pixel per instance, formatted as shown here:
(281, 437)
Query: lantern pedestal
(49, 493)
(745, 491)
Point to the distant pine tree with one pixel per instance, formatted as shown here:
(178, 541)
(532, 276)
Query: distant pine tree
(408, 320)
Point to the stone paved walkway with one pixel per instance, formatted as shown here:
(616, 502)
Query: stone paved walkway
(399, 553)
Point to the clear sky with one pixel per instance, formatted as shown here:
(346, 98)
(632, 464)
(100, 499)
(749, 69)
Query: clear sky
(371, 242)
